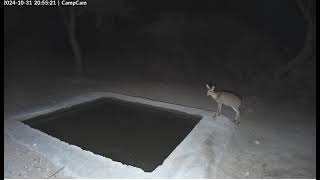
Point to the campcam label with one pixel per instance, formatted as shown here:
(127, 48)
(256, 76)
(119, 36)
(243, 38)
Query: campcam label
(74, 3)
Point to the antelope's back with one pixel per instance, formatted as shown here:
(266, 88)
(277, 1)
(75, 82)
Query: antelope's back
(229, 99)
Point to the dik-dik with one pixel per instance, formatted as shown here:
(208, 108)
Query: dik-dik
(226, 98)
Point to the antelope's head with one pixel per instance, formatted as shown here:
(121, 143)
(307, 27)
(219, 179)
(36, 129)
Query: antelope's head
(210, 90)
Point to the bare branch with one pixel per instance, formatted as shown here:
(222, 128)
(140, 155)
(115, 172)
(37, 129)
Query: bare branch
(301, 5)
(305, 7)
(55, 173)
(308, 5)
(64, 17)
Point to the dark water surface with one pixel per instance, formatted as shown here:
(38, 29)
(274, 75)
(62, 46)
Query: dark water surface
(131, 133)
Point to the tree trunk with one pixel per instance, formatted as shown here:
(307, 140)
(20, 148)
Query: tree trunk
(310, 39)
(305, 52)
(74, 43)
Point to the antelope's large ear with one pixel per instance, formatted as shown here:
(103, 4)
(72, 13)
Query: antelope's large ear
(212, 87)
(208, 86)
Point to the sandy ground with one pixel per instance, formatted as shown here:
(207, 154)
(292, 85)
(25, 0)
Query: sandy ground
(273, 140)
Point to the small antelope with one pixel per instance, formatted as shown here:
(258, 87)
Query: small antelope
(226, 98)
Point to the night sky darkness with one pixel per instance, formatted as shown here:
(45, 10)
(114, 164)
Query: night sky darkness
(281, 18)
(182, 38)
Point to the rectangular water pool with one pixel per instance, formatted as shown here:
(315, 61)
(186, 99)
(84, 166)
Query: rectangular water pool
(131, 133)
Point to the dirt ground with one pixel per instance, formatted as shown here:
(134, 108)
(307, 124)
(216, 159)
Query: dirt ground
(274, 139)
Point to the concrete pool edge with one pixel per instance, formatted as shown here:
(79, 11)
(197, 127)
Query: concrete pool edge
(197, 156)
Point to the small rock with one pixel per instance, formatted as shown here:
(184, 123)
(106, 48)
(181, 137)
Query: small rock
(256, 142)
(34, 144)
(267, 177)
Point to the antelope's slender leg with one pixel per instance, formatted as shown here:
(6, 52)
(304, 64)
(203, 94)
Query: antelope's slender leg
(237, 115)
(219, 109)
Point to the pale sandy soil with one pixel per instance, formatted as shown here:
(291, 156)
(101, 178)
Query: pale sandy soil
(273, 140)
